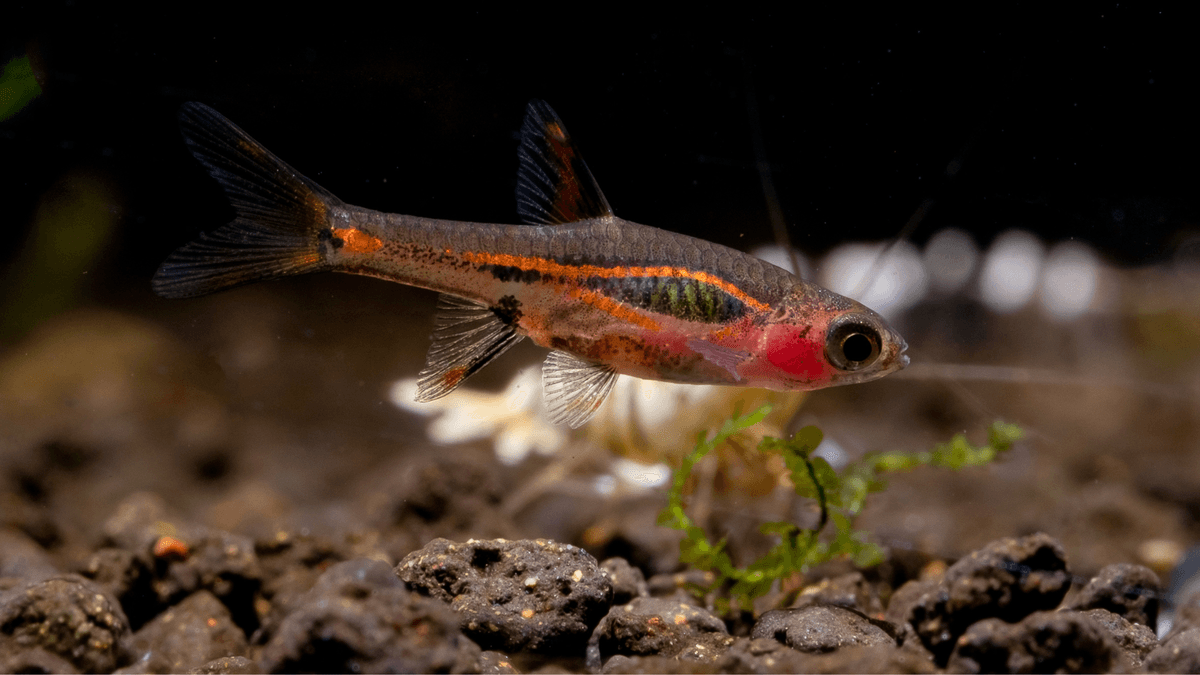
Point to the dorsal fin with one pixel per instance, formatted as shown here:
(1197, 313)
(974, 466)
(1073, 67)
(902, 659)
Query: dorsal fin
(554, 185)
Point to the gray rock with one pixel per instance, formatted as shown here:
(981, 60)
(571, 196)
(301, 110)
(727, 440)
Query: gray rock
(1179, 653)
(1044, 642)
(171, 568)
(905, 598)
(844, 590)
(224, 564)
(358, 617)
(1008, 579)
(680, 585)
(766, 655)
(128, 578)
(658, 627)
(15, 658)
(763, 655)
(643, 665)
(628, 581)
(226, 665)
(534, 595)
(495, 662)
(769, 656)
(819, 629)
(188, 635)
(1127, 590)
(69, 617)
(291, 565)
(1135, 640)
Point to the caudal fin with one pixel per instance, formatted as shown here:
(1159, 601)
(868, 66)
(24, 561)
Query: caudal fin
(279, 214)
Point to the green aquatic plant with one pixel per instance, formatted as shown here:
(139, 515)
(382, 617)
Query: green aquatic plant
(839, 495)
(18, 86)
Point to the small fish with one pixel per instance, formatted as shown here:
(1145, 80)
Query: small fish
(607, 296)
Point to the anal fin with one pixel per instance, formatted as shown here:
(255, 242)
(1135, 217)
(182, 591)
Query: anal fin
(574, 388)
(466, 337)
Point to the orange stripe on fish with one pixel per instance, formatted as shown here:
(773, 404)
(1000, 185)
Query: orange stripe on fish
(616, 309)
(545, 266)
(719, 335)
(356, 241)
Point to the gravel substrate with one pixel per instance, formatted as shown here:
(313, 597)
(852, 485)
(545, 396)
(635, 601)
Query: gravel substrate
(213, 602)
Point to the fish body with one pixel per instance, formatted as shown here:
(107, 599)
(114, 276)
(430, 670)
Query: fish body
(608, 296)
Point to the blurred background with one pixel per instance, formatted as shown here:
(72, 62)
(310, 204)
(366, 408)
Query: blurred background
(1040, 171)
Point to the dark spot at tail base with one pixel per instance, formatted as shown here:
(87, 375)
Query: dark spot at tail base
(326, 236)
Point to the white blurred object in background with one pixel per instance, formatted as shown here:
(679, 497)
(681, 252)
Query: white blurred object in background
(898, 278)
(514, 418)
(1070, 281)
(1011, 270)
(777, 255)
(950, 257)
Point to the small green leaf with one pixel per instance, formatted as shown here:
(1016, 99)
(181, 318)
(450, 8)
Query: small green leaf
(869, 555)
(809, 438)
(1002, 435)
(781, 529)
(826, 476)
(854, 492)
(895, 461)
(18, 86)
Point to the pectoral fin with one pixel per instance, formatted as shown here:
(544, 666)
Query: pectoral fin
(574, 388)
(727, 358)
(466, 337)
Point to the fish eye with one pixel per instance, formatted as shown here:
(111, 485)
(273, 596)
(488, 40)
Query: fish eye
(852, 344)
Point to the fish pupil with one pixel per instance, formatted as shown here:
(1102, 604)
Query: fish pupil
(857, 347)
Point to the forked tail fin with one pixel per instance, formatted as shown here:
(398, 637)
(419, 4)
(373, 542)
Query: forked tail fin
(279, 214)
